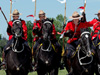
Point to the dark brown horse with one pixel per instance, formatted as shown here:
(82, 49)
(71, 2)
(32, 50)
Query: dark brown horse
(83, 61)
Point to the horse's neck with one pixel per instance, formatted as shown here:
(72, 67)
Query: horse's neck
(18, 43)
(46, 44)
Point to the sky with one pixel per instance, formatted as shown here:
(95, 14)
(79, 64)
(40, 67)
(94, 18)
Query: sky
(51, 7)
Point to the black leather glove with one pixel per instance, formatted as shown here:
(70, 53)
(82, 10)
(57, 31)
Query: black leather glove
(36, 30)
(69, 33)
(83, 19)
(9, 29)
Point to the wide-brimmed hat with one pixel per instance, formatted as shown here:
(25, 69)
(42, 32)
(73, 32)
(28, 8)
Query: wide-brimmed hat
(41, 13)
(15, 13)
(75, 15)
(98, 12)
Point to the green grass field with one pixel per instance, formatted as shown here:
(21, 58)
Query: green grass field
(61, 72)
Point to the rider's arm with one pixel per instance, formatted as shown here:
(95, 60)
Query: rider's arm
(35, 28)
(9, 28)
(68, 31)
(54, 30)
(90, 23)
(24, 29)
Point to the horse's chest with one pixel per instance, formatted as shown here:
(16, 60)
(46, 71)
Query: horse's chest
(47, 57)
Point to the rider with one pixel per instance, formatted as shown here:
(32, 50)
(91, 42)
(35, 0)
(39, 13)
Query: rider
(72, 30)
(96, 27)
(36, 27)
(15, 15)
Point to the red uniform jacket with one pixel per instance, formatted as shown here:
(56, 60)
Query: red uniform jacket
(96, 27)
(39, 24)
(24, 30)
(71, 26)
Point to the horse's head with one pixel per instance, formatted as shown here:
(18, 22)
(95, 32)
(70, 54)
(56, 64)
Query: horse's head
(17, 32)
(47, 29)
(17, 29)
(85, 40)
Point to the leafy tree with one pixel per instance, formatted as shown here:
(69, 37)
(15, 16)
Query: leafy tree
(3, 42)
(29, 25)
(59, 24)
(90, 29)
(0, 36)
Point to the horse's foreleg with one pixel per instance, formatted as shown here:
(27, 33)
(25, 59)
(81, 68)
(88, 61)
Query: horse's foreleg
(54, 72)
(8, 72)
(41, 72)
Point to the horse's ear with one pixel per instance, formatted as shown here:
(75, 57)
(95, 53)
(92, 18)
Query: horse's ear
(43, 20)
(47, 19)
(52, 21)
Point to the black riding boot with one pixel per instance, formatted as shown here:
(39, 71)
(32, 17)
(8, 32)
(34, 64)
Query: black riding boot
(59, 48)
(31, 66)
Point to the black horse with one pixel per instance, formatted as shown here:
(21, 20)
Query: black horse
(82, 61)
(48, 59)
(18, 54)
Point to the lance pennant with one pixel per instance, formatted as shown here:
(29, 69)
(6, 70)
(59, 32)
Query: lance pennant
(63, 1)
(30, 16)
(33, 0)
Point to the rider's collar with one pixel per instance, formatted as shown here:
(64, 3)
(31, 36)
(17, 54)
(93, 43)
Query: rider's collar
(78, 23)
(97, 19)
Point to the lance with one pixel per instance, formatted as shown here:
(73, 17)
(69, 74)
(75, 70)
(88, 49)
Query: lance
(4, 15)
(34, 21)
(63, 29)
(84, 5)
(65, 14)
(35, 9)
(10, 8)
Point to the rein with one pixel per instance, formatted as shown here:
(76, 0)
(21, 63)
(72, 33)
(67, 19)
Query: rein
(84, 58)
(48, 49)
(87, 53)
(21, 64)
(15, 50)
